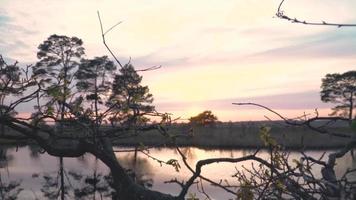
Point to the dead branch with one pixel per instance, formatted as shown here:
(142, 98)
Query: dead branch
(308, 122)
(281, 14)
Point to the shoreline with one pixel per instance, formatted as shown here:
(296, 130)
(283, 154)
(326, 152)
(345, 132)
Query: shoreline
(227, 136)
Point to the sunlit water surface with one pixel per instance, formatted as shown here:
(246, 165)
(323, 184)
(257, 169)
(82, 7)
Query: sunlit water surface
(38, 173)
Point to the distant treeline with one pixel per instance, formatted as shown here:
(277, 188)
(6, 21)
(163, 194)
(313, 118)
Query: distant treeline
(228, 135)
(242, 135)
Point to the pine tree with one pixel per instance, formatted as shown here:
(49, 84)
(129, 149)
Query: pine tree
(129, 99)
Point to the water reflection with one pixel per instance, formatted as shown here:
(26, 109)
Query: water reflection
(344, 163)
(28, 173)
(35, 151)
(76, 184)
(139, 168)
(9, 189)
(5, 158)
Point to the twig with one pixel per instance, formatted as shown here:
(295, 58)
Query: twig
(281, 14)
(149, 68)
(307, 122)
(103, 37)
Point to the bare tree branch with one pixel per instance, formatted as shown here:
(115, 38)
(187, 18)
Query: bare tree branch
(281, 14)
(307, 122)
(104, 41)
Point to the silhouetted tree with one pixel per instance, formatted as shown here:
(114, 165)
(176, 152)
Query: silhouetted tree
(204, 118)
(341, 90)
(9, 81)
(94, 78)
(129, 99)
(9, 85)
(59, 58)
(12, 85)
(271, 178)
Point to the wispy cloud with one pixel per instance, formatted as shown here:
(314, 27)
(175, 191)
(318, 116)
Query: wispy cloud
(290, 105)
(297, 101)
(13, 38)
(340, 43)
(226, 50)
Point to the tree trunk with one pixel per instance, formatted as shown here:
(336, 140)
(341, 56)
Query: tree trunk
(125, 187)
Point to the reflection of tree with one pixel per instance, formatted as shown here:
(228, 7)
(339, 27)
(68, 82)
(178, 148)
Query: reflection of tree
(95, 185)
(54, 186)
(12, 189)
(99, 186)
(91, 186)
(5, 159)
(189, 153)
(83, 160)
(78, 186)
(50, 188)
(346, 163)
(9, 191)
(35, 151)
(138, 168)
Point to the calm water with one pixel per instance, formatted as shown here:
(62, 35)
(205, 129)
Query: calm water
(38, 173)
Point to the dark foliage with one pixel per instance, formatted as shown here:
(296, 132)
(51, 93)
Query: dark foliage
(129, 99)
(204, 118)
(341, 90)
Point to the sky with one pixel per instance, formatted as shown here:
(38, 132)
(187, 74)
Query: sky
(212, 52)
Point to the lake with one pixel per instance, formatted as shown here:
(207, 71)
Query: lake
(38, 173)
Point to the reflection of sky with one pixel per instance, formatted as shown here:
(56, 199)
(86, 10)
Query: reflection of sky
(23, 166)
(210, 51)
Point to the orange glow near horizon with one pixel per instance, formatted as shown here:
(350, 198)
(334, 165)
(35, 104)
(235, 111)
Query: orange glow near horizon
(236, 115)
(216, 51)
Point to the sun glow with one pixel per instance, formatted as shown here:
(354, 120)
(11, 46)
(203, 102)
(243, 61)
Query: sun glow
(218, 50)
(192, 111)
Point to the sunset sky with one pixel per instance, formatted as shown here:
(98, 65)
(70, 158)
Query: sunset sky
(212, 52)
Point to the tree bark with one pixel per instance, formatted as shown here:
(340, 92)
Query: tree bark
(125, 187)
